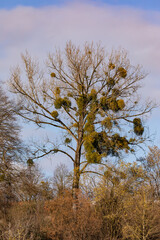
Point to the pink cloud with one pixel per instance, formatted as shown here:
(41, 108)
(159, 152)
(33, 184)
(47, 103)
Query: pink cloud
(40, 30)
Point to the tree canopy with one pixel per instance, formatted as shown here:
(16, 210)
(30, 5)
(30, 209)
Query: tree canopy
(91, 96)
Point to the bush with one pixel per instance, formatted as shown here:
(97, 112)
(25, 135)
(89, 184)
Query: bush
(70, 219)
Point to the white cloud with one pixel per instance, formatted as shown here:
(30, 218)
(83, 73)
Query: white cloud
(40, 30)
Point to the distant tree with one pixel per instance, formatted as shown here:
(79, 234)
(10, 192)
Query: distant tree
(92, 98)
(31, 185)
(9, 129)
(10, 147)
(62, 179)
(151, 164)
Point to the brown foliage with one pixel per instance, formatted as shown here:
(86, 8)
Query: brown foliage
(23, 222)
(69, 219)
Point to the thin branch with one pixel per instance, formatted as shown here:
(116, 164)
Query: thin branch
(54, 150)
(100, 174)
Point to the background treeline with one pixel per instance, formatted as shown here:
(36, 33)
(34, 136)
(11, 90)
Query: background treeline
(123, 202)
(93, 99)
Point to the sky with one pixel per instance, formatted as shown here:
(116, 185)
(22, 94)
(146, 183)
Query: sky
(41, 25)
(143, 4)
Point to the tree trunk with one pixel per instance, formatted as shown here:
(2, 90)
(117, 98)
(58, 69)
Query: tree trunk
(76, 177)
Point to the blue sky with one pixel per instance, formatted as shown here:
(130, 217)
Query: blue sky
(135, 26)
(141, 4)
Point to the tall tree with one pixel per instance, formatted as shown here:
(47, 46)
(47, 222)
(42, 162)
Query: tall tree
(93, 98)
(9, 129)
(9, 147)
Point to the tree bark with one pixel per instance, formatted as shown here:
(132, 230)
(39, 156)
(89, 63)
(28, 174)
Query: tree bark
(76, 177)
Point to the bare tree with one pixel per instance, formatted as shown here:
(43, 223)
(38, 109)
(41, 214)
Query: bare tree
(9, 129)
(92, 98)
(62, 179)
(10, 147)
(151, 166)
